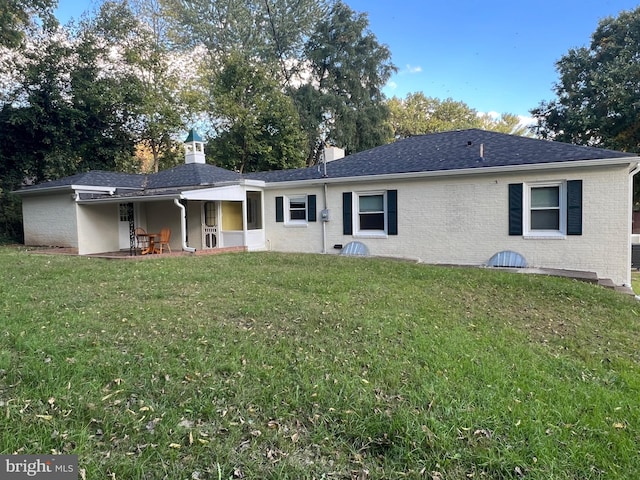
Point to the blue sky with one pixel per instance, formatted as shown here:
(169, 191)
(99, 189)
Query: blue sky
(494, 55)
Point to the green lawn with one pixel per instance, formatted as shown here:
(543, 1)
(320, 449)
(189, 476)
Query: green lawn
(274, 366)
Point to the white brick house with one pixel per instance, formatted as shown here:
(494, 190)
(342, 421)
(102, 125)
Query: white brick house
(452, 198)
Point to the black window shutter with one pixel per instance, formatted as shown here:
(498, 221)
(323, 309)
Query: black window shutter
(279, 209)
(347, 221)
(311, 208)
(515, 209)
(392, 212)
(574, 207)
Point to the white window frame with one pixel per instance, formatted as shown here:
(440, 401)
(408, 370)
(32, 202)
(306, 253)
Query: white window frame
(254, 213)
(561, 232)
(210, 212)
(358, 232)
(289, 199)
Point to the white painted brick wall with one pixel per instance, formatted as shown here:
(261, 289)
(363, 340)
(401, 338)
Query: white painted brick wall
(50, 220)
(287, 238)
(464, 220)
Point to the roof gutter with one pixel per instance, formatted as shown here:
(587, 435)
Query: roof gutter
(91, 189)
(125, 199)
(183, 226)
(607, 162)
(62, 188)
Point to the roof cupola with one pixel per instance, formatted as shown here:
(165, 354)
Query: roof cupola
(194, 148)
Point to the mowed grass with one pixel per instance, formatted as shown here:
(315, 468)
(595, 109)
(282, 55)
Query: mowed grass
(282, 366)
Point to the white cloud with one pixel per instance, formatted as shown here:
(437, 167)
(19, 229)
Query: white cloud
(524, 120)
(391, 85)
(410, 69)
(527, 121)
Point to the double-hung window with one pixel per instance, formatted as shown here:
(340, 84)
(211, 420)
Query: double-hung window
(296, 210)
(370, 214)
(545, 209)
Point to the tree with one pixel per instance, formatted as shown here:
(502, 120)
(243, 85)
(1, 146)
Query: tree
(319, 51)
(34, 144)
(504, 123)
(288, 25)
(11, 177)
(417, 115)
(80, 100)
(257, 125)
(342, 101)
(157, 74)
(42, 119)
(598, 94)
(271, 31)
(17, 15)
(70, 112)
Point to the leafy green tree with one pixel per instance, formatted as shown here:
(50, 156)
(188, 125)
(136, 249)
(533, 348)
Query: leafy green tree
(342, 101)
(41, 118)
(272, 31)
(32, 146)
(597, 96)
(69, 113)
(257, 125)
(156, 75)
(418, 114)
(11, 177)
(18, 15)
(288, 25)
(505, 123)
(106, 91)
(319, 51)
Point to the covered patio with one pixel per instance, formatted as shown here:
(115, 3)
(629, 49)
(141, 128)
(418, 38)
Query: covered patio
(201, 219)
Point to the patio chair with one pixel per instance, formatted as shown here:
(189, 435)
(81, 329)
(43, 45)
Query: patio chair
(142, 240)
(165, 236)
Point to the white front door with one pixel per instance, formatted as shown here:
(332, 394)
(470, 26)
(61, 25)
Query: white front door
(210, 225)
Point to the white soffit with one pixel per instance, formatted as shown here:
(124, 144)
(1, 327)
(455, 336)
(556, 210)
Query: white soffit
(231, 193)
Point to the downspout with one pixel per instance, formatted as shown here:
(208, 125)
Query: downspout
(183, 226)
(324, 222)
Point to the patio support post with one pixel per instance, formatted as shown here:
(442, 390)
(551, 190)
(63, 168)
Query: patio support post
(244, 220)
(132, 229)
(632, 173)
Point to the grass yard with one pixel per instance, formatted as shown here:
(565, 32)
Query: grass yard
(274, 366)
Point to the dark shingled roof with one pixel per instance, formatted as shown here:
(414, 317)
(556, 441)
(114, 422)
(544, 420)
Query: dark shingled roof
(96, 178)
(445, 151)
(167, 182)
(191, 175)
